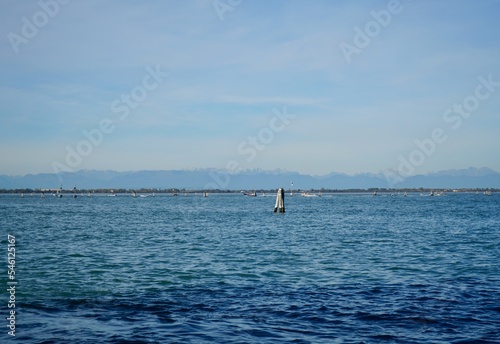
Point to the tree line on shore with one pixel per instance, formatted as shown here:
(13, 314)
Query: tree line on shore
(257, 191)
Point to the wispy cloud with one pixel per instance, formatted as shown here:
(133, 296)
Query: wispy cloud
(244, 100)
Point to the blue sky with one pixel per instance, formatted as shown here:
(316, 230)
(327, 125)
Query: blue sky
(227, 78)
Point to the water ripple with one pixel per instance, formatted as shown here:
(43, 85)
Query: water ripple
(335, 269)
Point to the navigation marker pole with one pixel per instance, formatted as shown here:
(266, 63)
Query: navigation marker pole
(280, 201)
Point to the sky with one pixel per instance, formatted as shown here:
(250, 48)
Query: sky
(315, 87)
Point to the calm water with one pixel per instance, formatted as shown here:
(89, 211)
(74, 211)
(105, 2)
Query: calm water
(186, 269)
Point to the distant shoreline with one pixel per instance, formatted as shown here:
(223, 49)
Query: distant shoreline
(183, 191)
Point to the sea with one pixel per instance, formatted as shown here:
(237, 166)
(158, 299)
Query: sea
(337, 268)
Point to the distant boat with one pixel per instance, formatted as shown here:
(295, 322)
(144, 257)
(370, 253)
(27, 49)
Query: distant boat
(308, 194)
(374, 193)
(252, 194)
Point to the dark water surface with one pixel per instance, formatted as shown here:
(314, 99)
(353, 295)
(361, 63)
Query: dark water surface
(226, 269)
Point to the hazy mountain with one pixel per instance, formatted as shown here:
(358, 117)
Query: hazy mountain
(250, 180)
(465, 178)
(470, 172)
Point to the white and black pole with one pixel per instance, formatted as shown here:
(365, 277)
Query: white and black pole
(280, 201)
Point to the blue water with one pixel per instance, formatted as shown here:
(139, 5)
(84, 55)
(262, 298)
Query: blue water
(227, 269)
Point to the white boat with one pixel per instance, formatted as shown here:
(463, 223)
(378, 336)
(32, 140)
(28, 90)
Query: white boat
(252, 194)
(308, 194)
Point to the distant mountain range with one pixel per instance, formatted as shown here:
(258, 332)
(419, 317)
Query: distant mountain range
(248, 180)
